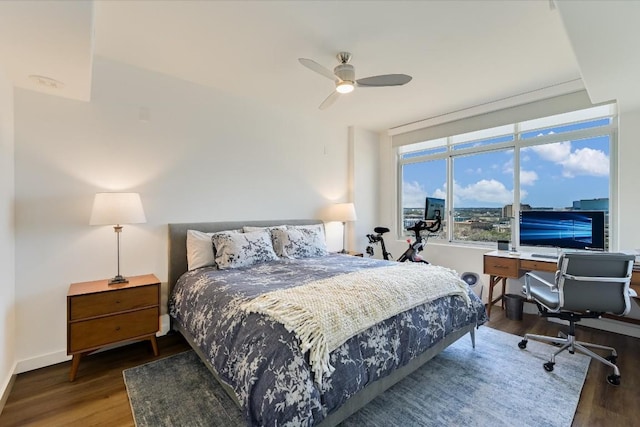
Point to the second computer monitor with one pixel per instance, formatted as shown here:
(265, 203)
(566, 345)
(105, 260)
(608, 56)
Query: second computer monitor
(433, 208)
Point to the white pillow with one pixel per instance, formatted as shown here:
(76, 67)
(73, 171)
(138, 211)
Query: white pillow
(235, 250)
(200, 250)
(300, 242)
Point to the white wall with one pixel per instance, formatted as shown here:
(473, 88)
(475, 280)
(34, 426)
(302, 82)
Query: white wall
(202, 156)
(629, 183)
(629, 180)
(364, 171)
(7, 252)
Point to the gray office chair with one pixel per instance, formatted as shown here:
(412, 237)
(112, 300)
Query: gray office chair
(586, 285)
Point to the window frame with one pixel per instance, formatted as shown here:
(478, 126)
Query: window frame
(517, 144)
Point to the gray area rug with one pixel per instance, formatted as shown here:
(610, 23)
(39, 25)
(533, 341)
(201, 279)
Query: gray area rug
(497, 384)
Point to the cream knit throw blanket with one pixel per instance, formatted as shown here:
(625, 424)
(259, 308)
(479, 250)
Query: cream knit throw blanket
(326, 313)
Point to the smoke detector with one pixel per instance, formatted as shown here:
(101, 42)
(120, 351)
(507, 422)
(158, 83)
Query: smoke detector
(47, 82)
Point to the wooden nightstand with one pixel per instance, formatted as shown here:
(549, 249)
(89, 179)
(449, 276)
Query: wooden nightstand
(99, 314)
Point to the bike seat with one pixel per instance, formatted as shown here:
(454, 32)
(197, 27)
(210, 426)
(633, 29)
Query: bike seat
(381, 230)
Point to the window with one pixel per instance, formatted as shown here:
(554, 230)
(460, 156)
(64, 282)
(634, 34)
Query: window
(560, 162)
(482, 185)
(422, 179)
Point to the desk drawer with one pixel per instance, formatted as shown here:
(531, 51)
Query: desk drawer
(102, 303)
(533, 265)
(501, 266)
(90, 334)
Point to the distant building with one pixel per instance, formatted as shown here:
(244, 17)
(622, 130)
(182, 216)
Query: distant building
(507, 210)
(591, 204)
(474, 225)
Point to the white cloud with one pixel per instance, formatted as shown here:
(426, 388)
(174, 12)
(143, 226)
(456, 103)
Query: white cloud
(528, 177)
(586, 161)
(441, 194)
(554, 152)
(471, 171)
(583, 161)
(507, 167)
(484, 191)
(413, 195)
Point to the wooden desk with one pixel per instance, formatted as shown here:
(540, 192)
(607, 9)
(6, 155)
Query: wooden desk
(501, 266)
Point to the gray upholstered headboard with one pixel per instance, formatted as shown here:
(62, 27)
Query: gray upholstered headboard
(178, 239)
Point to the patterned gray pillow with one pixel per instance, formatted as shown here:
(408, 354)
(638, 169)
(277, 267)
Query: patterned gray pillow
(278, 250)
(235, 250)
(299, 242)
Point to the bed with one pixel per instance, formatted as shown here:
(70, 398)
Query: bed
(274, 372)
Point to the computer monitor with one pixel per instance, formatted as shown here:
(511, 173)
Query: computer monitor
(563, 229)
(433, 208)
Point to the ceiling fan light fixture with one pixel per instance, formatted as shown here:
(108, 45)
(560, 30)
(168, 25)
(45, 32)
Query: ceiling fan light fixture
(345, 87)
(344, 77)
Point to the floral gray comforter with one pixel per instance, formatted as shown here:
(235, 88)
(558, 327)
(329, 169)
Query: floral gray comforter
(262, 361)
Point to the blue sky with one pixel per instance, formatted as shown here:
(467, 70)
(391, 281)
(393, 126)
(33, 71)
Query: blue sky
(552, 175)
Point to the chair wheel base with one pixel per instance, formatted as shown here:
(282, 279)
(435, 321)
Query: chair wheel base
(613, 379)
(548, 366)
(522, 344)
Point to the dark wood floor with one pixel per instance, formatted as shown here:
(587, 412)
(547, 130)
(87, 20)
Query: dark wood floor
(45, 397)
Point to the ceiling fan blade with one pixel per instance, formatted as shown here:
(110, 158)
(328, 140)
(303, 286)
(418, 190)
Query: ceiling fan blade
(328, 102)
(384, 80)
(314, 66)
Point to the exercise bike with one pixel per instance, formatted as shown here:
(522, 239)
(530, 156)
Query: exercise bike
(377, 238)
(412, 253)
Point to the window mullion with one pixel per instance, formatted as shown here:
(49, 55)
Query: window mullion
(515, 211)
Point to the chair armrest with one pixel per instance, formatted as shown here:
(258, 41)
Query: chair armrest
(527, 283)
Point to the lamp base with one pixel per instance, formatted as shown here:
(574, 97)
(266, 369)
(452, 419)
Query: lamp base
(117, 280)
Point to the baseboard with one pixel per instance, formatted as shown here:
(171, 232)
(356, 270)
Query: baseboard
(41, 361)
(612, 326)
(6, 388)
(49, 359)
(603, 324)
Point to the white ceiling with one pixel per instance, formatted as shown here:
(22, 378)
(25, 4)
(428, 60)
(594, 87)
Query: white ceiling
(460, 53)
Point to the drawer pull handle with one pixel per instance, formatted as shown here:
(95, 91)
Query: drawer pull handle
(117, 328)
(117, 301)
(500, 266)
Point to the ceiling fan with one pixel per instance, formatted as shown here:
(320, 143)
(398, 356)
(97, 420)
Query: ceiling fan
(344, 77)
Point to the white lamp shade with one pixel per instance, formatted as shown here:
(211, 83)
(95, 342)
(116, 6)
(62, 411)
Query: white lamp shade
(117, 208)
(343, 212)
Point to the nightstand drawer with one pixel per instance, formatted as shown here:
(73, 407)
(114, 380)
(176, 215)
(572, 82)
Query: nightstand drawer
(532, 265)
(89, 334)
(501, 266)
(98, 304)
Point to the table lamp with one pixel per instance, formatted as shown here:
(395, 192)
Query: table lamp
(342, 212)
(117, 209)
